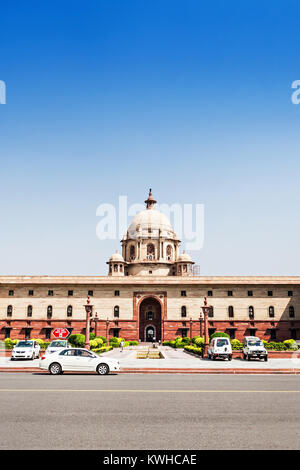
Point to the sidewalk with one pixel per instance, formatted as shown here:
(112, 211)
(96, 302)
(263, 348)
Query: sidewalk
(175, 361)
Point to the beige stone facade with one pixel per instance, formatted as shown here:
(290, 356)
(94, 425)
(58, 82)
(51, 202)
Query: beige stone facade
(150, 292)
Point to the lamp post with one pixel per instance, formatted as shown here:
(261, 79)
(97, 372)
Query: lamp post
(201, 321)
(88, 309)
(205, 309)
(191, 329)
(95, 320)
(107, 323)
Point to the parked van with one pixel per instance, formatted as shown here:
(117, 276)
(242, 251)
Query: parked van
(253, 347)
(220, 347)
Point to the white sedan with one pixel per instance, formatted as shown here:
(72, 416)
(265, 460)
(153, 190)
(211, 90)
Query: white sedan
(78, 359)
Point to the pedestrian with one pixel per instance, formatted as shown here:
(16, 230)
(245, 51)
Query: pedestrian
(122, 345)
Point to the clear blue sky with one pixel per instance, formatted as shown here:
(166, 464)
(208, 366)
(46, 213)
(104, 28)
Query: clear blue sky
(109, 98)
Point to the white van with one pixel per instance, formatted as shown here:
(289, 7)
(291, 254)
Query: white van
(253, 347)
(220, 347)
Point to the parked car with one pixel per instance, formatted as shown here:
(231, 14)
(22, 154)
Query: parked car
(253, 347)
(57, 345)
(220, 347)
(27, 349)
(77, 359)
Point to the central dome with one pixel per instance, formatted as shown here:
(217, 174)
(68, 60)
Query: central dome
(150, 223)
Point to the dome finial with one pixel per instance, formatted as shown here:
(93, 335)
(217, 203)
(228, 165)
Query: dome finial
(150, 201)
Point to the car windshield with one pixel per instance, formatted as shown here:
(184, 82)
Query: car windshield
(25, 344)
(58, 344)
(255, 342)
(222, 342)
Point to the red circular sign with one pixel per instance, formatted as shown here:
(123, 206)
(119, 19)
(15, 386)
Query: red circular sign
(61, 333)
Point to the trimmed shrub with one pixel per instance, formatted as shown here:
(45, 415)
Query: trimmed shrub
(290, 344)
(236, 344)
(133, 343)
(92, 335)
(103, 339)
(219, 334)
(198, 340)
(103, 349)
(193, 349)
(77, 341)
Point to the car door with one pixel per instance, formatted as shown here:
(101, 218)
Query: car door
(67, 359)
(85, 360)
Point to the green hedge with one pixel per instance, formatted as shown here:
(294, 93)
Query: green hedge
(103, 349)
(194, 350)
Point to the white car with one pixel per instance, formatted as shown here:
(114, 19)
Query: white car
(26, 349)
(78, 359)
(57, 345)
(220, 347)
(253, 347)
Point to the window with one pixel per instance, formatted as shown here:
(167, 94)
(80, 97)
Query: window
(290, 293)
(30, 292)
(291, 312)
(10, 293)
(273, 335)
(117, 293)
(211, 331)
(184, 332)
(229, 293)
(70, 293)
(7, 332)
(250, 293)
(29, 311)
(49, 311)
(27, 333)
(90, 293)
(50, 293)
(132, 252)
(149, 315)
(116, 311)
(150, 272)
(69, 311)
(116, 332)
(150, 251)
(67, 352)
(183, 293)
(271, 312)
(230, 311)
(210, 293)
(211, 312)
(270, 293)
(183, 311)
(9, 311)
(251, 312)
(169, 252)
(231, 333)
(48, 333)
(293, 333)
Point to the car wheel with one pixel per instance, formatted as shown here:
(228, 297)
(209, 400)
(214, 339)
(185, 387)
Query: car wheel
(55, 368)
(249, 358)
(244, 357)
(208, 356)
(103, 369)
(266, 358)
(229, 358)
(213, 357)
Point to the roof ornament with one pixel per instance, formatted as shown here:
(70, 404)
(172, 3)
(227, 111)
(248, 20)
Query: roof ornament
(150, 202)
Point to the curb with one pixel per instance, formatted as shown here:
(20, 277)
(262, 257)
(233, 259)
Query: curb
(170, 371)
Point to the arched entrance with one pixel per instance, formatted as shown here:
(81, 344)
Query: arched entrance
(150, 320)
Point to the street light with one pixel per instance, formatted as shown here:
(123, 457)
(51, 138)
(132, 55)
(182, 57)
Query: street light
(205, 309)
(88, 309)
(95, 320)
(107, 323)
(201, 321)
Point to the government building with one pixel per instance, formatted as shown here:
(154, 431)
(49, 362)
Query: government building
(150, 293)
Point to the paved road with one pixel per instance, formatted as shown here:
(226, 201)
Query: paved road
(149, 412)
